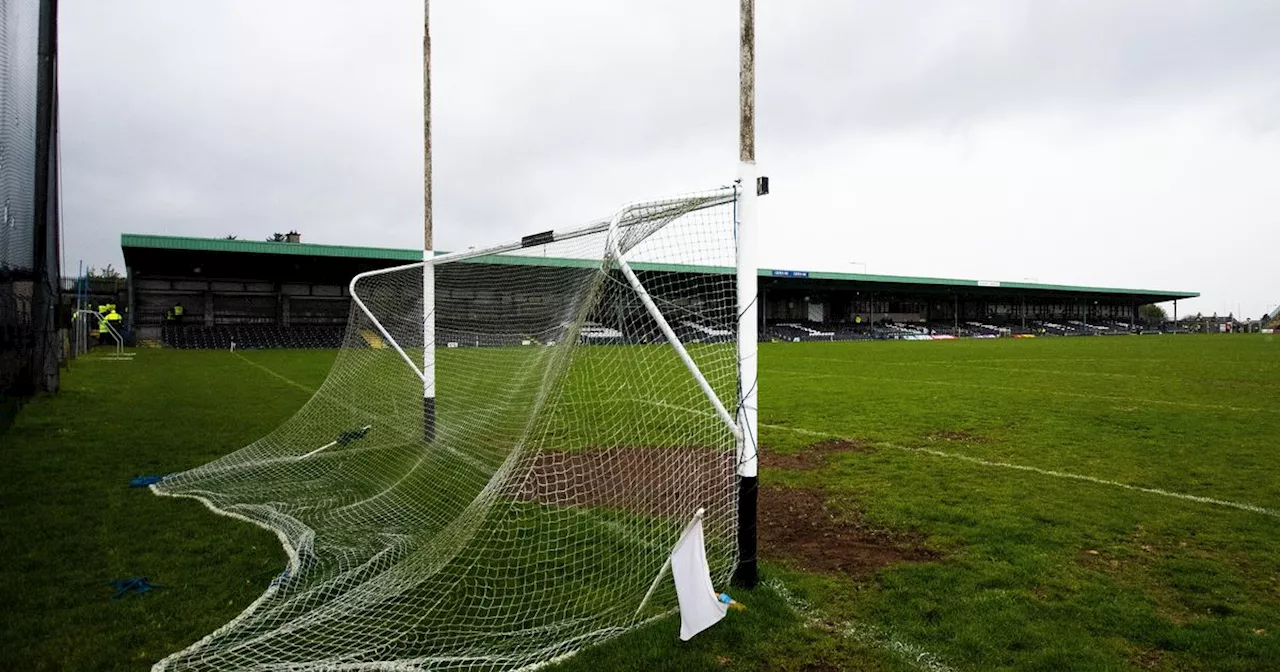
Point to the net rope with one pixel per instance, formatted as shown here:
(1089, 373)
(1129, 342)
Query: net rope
(572, 447)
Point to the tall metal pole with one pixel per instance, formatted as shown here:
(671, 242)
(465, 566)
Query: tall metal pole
(747, 279)
(428, 269)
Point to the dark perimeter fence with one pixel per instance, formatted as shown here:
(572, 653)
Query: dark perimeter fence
(31, 343)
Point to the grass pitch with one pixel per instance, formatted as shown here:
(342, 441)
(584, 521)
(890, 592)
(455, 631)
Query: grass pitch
(1095, 503)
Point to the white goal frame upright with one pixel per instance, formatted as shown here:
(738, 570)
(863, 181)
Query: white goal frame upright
(745, 419)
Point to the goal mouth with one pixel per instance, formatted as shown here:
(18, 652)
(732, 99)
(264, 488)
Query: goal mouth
(582, 380)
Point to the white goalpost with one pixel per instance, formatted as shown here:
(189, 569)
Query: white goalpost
(746, 423)
(751, 186)
(586, 392)
(428, 245)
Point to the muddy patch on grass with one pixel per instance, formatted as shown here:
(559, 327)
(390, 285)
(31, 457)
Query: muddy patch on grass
(1150, 659)
(651, 481)
(796, 526)
(814, 455)
(794, 523)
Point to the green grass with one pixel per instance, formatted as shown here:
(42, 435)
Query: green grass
(1038, 571)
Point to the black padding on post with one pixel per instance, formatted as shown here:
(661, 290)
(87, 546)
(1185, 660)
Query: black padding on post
(429, 419)
(745, 575)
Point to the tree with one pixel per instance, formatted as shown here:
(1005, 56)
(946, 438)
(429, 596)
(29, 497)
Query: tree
(105, 273)
(276, 238)
(1152, 315)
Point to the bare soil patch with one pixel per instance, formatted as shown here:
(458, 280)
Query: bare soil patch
(795, 525)
(1150, 659)
(651, 481)
(958, 437)
(815, 455)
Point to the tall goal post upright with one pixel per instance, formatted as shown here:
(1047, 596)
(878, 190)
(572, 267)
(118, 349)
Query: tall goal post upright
(428, 251)
(745, 575)
(748, 335)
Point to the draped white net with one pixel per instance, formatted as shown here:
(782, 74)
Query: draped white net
(572, 445)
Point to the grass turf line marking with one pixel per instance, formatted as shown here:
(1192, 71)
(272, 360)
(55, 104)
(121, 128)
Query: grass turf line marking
(273, 374)
(867, 635)
(1057, 360)
(1251, 508)
(980, 365)
(1029, 390)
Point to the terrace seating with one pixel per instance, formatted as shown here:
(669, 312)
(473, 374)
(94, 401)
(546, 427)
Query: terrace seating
(705, 331)
(1111, 327)
(806, 332)
(1058, 329)
(1087, 328)
(596, 333)
(847, 331)
(981, 330)
(891, 331)
(1272, 319)
(949, 329)
(251, 336)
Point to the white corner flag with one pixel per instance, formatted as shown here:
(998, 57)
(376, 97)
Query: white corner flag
(700, 607)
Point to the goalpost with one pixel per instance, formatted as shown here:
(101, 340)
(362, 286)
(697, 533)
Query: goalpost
(751, 186)
(585, 391)
(428, 245)
(748, 311)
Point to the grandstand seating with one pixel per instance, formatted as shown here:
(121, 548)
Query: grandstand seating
(599, 334)
(1273, 319)
(805, 332)
(981, 330)
(706, 331)
(949, 328)
(1095, 328)
(793, 330)
(903, 332)
(251, 336)
(604, 330)
(1060, 329)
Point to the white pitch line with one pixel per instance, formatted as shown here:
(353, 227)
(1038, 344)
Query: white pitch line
(1252, 508)
(1030, 390)
(865, 634)
(294, 383)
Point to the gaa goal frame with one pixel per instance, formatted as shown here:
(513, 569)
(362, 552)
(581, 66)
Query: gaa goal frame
(748, 187)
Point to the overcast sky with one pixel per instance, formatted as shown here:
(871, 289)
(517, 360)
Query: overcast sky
(1114, 143)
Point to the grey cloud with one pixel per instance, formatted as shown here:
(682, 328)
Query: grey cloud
(232, 116)
(885, 65)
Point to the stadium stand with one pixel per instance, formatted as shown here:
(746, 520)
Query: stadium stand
(294, 295)
(594, 332)
(251, 336)
(980, 330)
(806, 332)
(1068, 329)
(704, 332)
(1272, 319)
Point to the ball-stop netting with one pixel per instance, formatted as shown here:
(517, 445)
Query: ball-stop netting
(572, 445)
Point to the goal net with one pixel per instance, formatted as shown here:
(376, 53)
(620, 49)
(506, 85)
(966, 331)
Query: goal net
(573, 443)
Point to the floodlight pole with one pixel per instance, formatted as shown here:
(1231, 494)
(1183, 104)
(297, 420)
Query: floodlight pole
(428, 269)
(748, 335)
